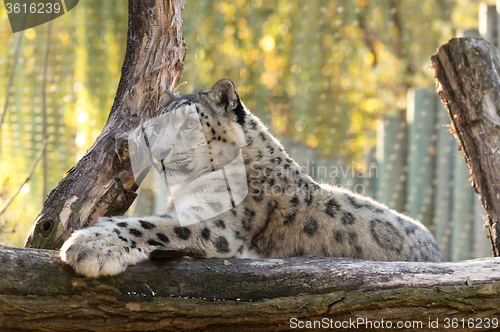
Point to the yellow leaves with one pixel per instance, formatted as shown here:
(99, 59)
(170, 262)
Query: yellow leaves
(227, 9)
(30, 34)
(250, 56)
(428, 8)
(229, 30)
(82, 117)
(283, 29)
(300, 126)
(326, 71)
(213, 38)
(353, 145)
(26, 188)
(295, 69)
(279, 122)
(200, 55)
(393, 31)
(361, 3)
(274, 63)
(312, 141)
(241, 23)
(267, 43)
(229, 48)
(244, 33)
(255, 55)
(371, 105)
(357, 120)
(78, 87)
(28, 52)
(268, 78)
(64, 37)
(369, 58)
(244, 73)
(414, 47)
(379, 47)
(81, 139)
(344, 82)
(328, 41)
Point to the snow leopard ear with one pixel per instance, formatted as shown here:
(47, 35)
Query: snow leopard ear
(224, 94)
(168, 96)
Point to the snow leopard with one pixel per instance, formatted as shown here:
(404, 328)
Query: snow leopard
(261, 204)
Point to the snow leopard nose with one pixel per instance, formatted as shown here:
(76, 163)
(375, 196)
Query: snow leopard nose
(162, 154)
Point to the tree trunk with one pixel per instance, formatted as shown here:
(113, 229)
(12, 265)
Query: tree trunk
(469, 86)
(102, 182)
(38, 291)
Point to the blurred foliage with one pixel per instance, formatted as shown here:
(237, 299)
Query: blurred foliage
(319, 71)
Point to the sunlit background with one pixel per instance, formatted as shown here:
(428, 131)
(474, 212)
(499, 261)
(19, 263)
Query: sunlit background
(323, 74)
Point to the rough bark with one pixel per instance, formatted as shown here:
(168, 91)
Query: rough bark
(38, 291)
(102, 182)
(467, 70)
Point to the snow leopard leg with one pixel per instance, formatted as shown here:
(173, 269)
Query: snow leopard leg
(112, 244)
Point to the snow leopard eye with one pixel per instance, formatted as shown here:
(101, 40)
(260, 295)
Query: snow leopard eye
(190, 124)
(156, 128)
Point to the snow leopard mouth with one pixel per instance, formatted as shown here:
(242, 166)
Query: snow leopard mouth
(178, 166)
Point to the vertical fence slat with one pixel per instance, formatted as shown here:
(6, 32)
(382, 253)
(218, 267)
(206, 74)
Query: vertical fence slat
(441, 222)
(372, 172)
(488, 22)
(498, 20)
(421, 118)
(469, 33)
(326, 170)
(303, 155)
(463, 210)
(391, 160)
(348, 176)
(481, 245)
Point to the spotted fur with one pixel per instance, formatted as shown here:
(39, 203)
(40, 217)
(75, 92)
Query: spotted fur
(286, 213)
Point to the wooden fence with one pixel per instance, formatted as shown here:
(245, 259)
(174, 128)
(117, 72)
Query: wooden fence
(427, 178)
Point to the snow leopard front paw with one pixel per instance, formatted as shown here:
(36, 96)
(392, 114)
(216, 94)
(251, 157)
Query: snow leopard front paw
(97, 251)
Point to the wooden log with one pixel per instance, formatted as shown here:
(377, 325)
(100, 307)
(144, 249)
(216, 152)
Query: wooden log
(102, 182)
(39, 292)
(469, 86)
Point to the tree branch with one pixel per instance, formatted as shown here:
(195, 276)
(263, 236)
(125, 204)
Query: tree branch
(102, 182)
(469, 86)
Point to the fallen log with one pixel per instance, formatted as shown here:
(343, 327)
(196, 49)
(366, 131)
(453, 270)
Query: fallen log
(39, 292)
